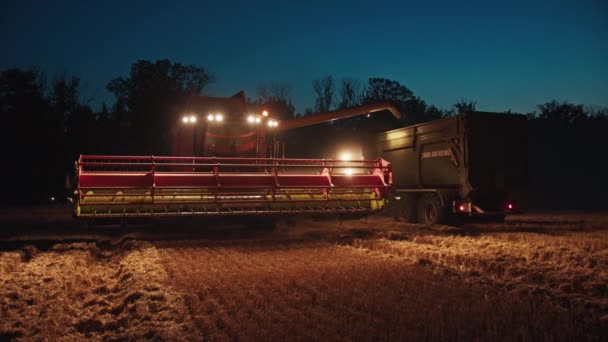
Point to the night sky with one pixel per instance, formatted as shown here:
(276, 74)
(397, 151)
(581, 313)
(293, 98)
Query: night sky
(502, 54)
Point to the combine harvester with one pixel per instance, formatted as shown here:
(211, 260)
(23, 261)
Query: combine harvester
(247, 179)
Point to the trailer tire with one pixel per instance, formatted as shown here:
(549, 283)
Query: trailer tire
(430, 210)
(406, 208)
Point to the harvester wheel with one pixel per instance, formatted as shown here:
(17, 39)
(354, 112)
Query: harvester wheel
(430, 210)
(406, 208)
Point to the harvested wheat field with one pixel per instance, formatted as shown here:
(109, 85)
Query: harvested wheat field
(534, 277)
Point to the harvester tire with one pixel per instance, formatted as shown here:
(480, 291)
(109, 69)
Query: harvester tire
(406, 208)
(430, 210)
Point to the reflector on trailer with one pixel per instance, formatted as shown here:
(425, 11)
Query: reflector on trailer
(131, 186)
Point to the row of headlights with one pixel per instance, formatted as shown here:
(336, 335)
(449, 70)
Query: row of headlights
(190, 119)
(252, 119)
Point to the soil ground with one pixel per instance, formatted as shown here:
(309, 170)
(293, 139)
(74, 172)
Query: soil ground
(537, 276)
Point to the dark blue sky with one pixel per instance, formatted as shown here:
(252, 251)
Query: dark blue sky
(502, 54)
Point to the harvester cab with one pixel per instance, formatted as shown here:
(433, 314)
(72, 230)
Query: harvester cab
(224, 168)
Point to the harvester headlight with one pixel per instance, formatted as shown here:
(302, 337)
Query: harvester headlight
(258, 120)
(210, 117)
(219, 117)
(345, 156)
(251, 119)
(265, 113)
(185, 119)
(272, 123)
(192, 119)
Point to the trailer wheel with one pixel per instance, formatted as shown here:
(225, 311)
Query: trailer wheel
(406, 208)
(430, 210)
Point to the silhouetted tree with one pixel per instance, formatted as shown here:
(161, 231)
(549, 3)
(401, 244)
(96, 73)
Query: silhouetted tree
(350, 93)
(150, 99)
(30, 139)
(273, 90)
(383, 89)
(65, 97)
(104, 114)
(570, 141)
(413, 108)
(433, 113)
(565, 112)
(274, 97)
(308, 111)
(415, 111)
(22, 96)
(324, 93)
(598, 115)
(464, 106)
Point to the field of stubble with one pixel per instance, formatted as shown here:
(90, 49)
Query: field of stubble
(535, 277)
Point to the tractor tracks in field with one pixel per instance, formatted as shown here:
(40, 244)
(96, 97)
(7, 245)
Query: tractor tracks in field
(92, 294)
(277, 292)
(568, 270)
(319, 280)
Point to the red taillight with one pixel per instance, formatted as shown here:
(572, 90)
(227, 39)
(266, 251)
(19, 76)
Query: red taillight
(461, 207)
(510, 206)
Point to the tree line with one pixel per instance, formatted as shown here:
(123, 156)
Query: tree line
(47, 124)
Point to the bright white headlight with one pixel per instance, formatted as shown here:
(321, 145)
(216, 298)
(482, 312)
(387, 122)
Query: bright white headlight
(345, 156)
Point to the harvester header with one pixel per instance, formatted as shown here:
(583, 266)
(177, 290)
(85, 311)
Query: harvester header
(132, 186)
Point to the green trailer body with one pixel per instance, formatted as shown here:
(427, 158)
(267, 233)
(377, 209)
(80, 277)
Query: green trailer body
(471, 164)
